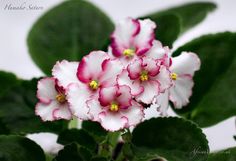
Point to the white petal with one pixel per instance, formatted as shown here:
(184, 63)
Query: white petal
(113, 121)
(181, 91)
(157, 51)
(123, 35)
(134, 114)
(77, 95)
(164, 78)
(46, 90)
(162, 100)
(65, 72)
(123, 79)
(62, 112)
(143, 41)
(90, 67)
(151, 89)
(111, 69)
(185, 63)
(94, 109)
(45, 111)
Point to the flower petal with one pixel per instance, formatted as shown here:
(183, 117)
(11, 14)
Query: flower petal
(95, 109)
(113, 121)
(65, 72)
(151, 89)
(62, 112)
(77, 95)
(111, 69)
(134, 69)
(181, 91)
(162, 100)
(107, 95)
(164, 78)
(90, 67)
(45, 111)
(134, 114)
(151, 66)
(157, 51)
(123, 79)
(123, 35)
(46, 90)
(124, 96)
(143, 40)
(185, 63)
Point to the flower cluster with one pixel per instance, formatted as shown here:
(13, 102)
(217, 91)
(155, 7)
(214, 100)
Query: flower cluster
(113, 87)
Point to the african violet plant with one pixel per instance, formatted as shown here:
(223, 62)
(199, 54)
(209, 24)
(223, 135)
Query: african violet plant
(106, 76)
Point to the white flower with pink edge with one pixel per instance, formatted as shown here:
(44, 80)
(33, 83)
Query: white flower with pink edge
(115, 108)
(53, 104)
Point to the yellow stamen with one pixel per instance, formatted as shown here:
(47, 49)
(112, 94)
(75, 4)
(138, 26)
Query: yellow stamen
(114, 107)
(128, 52)
(93, 85)
(174, 76)
(61, 98)
(144, 76)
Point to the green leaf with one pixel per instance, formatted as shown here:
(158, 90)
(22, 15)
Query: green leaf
(73, 152)
(17, 111)
(191, 14)
(171, 138)
(174, 21)
(95, 129)
(99, 159)
(7, 80)
(79, 136)
(224, 155)
(68, 31)
(17, 148)
(214, 92)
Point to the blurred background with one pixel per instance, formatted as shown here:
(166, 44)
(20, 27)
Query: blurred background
(15, 25)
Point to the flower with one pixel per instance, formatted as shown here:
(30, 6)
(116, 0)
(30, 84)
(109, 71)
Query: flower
(53, 104)
(115, 109)
(146, 77)
(96, 70)
(182, 70)
(132, 38)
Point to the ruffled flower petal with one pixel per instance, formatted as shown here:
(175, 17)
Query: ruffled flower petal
(107, 95)
(62, 112)
(65, 72)
(77, 96)
(151, 89)
(157, 51)
(134, 69)
(151, 66)
(45, 111)
(110, 70)
(90, 67)
(124, 96)
(122, 37)
(164, 78)
(134, 114)
(46, 90)
(143, 40)
(162, 102)
(136, 88)
(113, 121)
(185, 63)
(181, 91)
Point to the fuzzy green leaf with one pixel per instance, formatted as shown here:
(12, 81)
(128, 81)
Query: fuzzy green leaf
(68, 31)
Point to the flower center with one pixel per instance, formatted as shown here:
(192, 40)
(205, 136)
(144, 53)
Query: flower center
(114, 107)
(144, 76)
(128, 52)
(174, 76)
(93, 85)
(61, 98)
